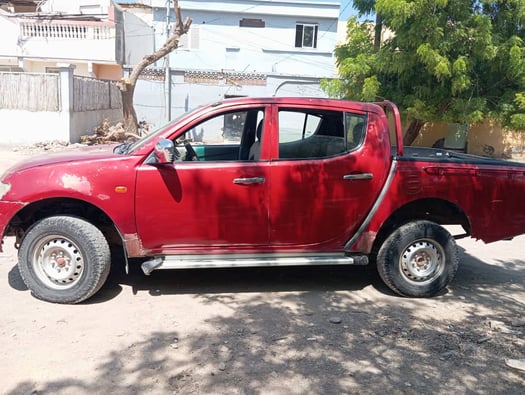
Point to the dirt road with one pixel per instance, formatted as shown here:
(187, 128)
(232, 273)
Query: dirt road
(269, 331)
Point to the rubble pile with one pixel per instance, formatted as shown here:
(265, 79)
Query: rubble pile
(106, 133)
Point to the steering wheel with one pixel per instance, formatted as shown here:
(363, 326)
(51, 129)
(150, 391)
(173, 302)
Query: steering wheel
(190, 152)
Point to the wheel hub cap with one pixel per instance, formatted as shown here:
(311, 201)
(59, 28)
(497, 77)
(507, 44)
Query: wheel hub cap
(421, 260)
(58, 262)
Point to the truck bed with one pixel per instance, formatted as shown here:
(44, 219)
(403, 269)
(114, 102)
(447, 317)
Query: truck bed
(446, 156)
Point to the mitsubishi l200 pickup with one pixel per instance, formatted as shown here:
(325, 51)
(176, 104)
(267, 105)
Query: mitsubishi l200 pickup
(254, 182)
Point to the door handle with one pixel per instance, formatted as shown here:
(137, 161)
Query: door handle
(251, 180)
(358, 176)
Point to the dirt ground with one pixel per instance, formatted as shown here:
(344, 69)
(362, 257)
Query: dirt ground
(269, 331)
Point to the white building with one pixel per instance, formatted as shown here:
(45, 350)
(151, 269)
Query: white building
(97, 37)
(238, 48)
(287, 37)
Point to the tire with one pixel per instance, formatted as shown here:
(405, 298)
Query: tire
(64, 259)
(418, 259)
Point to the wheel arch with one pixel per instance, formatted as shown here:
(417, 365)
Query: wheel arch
(36, 211)
(440, 211)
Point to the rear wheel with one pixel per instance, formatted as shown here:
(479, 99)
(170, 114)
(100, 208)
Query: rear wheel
(64, 259)
(418, 259)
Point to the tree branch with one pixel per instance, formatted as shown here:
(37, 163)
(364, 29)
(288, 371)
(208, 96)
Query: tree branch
(127, 85)
(172, 43)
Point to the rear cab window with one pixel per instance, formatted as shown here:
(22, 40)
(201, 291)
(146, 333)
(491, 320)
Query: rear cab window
(317, 134)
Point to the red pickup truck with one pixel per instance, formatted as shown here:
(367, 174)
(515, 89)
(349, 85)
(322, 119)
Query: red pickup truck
(257, 182)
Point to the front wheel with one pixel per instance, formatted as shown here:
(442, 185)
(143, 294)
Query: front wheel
(418, 259)
(64, 259)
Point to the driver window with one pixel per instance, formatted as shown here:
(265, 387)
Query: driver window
(225, 137)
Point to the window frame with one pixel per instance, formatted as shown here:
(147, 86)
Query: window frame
(300, 34)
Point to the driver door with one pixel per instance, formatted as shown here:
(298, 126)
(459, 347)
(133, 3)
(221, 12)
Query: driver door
(217, 200)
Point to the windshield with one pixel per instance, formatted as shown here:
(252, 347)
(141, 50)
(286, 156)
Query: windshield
(127, 148)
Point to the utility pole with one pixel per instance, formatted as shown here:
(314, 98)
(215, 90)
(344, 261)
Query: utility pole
(167, 74)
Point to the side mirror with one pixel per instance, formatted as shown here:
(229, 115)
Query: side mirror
(164, 151)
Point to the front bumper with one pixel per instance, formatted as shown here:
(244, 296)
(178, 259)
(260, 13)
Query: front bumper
(7, 212)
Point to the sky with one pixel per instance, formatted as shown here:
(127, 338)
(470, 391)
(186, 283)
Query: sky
(346, 10)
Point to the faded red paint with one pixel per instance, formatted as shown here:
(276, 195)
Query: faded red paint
(303, 205)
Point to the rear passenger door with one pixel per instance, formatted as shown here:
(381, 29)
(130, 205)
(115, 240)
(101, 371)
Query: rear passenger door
(323, 180)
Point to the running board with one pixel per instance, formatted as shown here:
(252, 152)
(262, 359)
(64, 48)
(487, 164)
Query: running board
(230, 261)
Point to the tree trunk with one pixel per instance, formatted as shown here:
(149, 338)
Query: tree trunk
(128, 110)
(413, 131)
(127, 85)
(377, 33)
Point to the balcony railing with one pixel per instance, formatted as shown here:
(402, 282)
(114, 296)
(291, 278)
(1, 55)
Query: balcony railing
(66, 31)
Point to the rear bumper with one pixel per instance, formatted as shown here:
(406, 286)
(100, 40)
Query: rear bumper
(7, 211)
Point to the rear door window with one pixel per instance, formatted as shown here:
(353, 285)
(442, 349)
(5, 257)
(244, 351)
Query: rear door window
(310, 133)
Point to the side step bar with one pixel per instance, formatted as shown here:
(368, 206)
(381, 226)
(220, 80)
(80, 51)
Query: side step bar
(230, 261)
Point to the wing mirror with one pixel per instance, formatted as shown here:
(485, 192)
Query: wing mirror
(164, 151)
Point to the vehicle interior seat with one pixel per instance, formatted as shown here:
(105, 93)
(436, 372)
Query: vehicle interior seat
(255, 149)
(357, 134)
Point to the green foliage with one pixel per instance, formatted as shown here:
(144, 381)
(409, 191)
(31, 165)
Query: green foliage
(370, 88)
(452, 60)
(365, 7)
(356, 62)
(520, 100)
(517, 121)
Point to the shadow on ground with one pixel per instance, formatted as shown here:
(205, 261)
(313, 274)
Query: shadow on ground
(310, 330)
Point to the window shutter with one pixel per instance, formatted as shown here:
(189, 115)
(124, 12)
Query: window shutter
(298, 36)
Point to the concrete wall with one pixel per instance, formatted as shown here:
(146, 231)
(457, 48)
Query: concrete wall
(23, 126)
(9, 40)
(83, 123)
(28, 127)
(76, 7)
(150, 98)
(105, 71)
(139, 38)
(487, 138)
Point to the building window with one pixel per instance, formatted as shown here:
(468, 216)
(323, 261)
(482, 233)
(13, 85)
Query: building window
(306, 35)
(251, 22)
